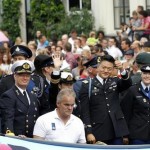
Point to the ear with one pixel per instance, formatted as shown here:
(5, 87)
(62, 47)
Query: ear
(14, 76)
(58, 104)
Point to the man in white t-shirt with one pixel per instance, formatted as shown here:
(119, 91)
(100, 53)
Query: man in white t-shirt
(61, 125)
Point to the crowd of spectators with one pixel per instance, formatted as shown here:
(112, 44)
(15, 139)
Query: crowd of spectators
(88, 62)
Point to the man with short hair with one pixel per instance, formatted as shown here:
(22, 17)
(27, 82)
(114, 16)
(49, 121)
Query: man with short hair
(19, 107)
(43, 67)
(20, 52)
(113, 50)
(125, 44)
(101, 112)
(60, 125)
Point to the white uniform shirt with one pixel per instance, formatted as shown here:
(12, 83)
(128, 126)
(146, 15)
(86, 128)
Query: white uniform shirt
(51, 128)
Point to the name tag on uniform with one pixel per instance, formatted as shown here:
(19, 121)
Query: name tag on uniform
(53, 126)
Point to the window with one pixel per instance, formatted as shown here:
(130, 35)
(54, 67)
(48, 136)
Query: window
(79, 4)
(148, 4)
(121, 12)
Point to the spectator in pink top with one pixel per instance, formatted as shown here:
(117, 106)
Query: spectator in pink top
(143, 15)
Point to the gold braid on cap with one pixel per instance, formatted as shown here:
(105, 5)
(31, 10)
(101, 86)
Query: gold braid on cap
(55, 81)
(69, 78)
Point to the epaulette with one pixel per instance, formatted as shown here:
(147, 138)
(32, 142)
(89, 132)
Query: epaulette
(7, 75)
(85, 81)
(34, 74)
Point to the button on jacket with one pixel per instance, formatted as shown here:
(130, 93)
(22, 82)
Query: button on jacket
(101, 112)
(136, 109)
(17, 115)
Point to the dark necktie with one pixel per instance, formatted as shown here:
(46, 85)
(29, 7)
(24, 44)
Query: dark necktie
(25, 97)
(146, 90)
(104, 83)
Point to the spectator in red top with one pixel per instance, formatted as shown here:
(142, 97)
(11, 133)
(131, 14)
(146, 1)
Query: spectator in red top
(69, 56)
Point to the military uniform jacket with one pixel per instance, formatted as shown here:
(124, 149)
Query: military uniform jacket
(35, 86)
(136, 109)
(101, 112)
(17, 115)
(44, 99)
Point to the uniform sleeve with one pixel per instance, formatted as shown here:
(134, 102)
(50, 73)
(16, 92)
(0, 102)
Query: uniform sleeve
(127, 104)
(7, 105)
(124, 83)
(53, 91)
(2, 86)
(85, 112)
(39, 128)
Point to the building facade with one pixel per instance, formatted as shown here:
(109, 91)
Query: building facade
(107, 13)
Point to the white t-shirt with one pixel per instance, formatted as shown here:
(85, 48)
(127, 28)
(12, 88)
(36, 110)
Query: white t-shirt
(114, 52)
(50, 127)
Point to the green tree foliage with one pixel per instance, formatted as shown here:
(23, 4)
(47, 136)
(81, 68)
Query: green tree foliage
(82, 21)
(44, 14)
(10, 17)
(50, 17)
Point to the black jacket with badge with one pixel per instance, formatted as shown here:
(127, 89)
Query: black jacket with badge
(17, 115)
(101, 112)
(36, 86)
(136, 109)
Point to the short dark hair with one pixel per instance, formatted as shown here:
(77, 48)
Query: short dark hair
(141, 7)
(101, 33)
(127, 41)
(144, 13)
(68, 47)
(108, 58)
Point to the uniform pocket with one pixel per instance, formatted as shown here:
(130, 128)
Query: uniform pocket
(119, 115)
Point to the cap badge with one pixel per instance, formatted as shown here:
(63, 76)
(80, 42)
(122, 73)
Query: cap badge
(17, 49)
(98, 59)
(147, 68)
(69, 78)
(26, 66)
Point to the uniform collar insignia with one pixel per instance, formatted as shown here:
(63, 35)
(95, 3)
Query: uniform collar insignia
(114, 83)
(17, 92)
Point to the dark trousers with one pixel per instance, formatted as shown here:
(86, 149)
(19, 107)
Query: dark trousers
(138, 142)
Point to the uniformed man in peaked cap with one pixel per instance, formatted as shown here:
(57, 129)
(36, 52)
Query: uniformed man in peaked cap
(101, 112)
(20, 108)
(136, 109)
(20, 52)
(91, 67)
(43, 67)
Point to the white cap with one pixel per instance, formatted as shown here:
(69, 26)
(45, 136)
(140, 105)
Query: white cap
(22, 66)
